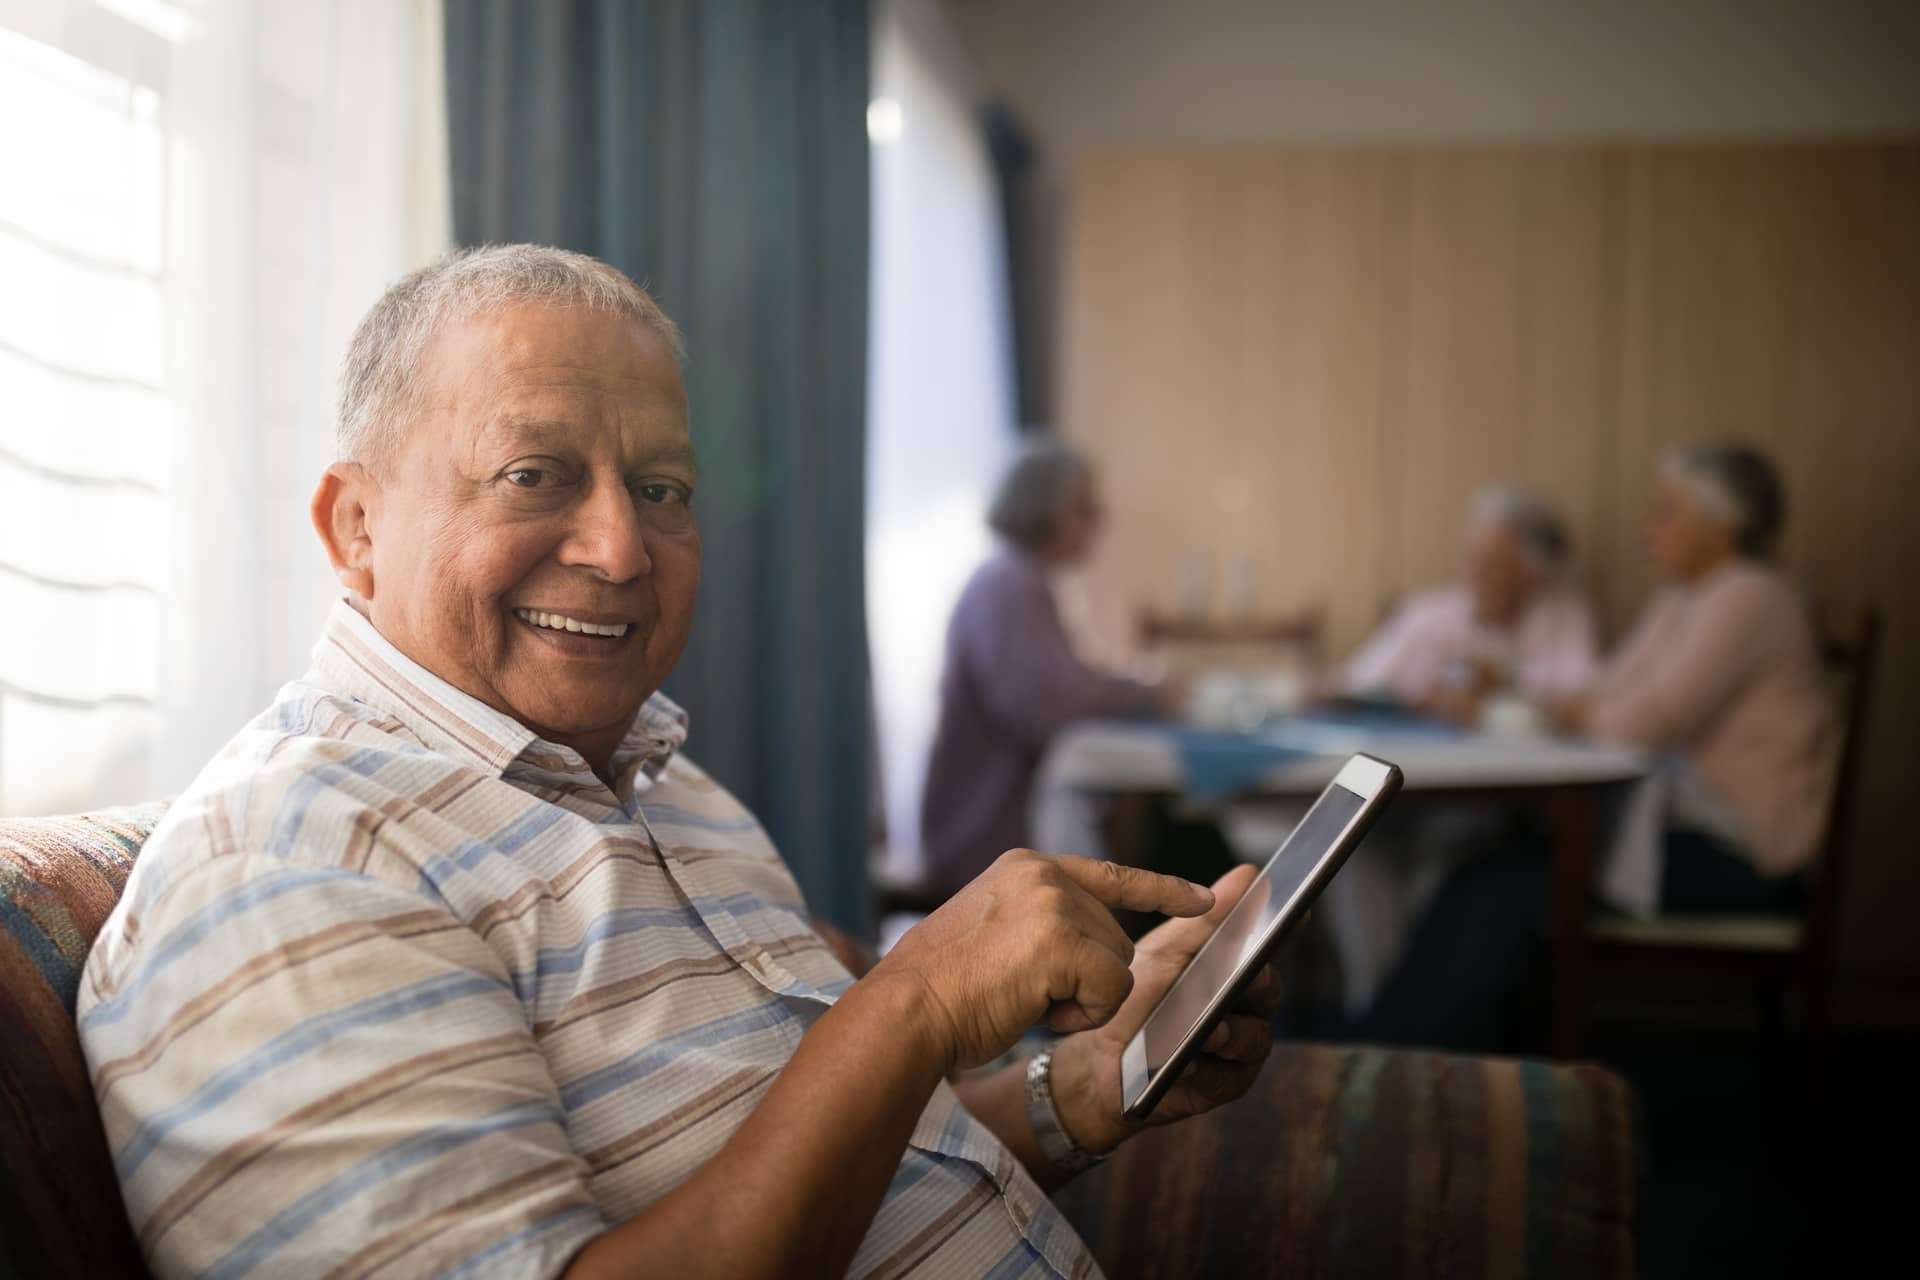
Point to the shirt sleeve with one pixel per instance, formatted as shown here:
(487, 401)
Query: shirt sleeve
(1028, 674)
(306, 1070)
(1671, 698)
(1405, 657)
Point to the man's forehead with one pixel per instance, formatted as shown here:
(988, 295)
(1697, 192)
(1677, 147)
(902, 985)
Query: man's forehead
(535, 361)
(515, 431)
(530, 346)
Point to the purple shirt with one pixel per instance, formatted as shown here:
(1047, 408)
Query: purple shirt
(1011, 682)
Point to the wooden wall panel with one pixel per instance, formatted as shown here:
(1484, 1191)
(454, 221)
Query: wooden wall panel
(1313, 358)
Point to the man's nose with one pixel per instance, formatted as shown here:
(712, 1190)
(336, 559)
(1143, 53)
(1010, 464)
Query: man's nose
(608, 536)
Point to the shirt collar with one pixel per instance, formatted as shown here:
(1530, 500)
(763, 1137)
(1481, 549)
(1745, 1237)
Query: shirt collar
(357, 660)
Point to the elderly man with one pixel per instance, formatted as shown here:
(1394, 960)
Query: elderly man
(452, 963)
(1510, 623)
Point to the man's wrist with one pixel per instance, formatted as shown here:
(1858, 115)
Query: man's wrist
(1060, 1151)
(906, 1011)
(1088, 1120)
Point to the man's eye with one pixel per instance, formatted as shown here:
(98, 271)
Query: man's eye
(526, 477)
(663, 493)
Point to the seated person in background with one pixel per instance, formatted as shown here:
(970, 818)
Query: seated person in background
(1721, 673)
(452, 962)
(1510, 623)
(1012, 679)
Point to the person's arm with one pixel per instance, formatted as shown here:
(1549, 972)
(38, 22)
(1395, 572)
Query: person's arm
(1371, 669)
(794, 1190)
(1705, 662)
(1021, 660)
(792, 1193)
(1403, 657)
(1086, 1069)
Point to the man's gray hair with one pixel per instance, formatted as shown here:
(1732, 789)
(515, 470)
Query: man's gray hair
(1026, 507)
(1541, 533)
(380, 378)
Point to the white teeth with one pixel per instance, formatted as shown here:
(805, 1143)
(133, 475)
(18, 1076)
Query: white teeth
(560, 622)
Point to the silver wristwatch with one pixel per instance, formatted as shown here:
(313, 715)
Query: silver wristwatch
(1045, 1118)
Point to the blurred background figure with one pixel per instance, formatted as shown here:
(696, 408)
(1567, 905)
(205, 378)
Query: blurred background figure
(1512, 621)
(1721, 678)
(1012, 678)
(1722, 673)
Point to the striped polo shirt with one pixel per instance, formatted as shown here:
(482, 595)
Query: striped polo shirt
(398, 988)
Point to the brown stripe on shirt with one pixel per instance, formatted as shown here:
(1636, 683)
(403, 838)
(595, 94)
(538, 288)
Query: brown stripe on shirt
(213, 1174)
(709, 1101)
(390, 1248)
(520, 901)
(614, 995)
(923, 1242)
(339, 937)
(433, 712)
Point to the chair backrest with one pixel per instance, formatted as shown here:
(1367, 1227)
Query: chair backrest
(60, 1208)
(1302, 633)
(1854, 662)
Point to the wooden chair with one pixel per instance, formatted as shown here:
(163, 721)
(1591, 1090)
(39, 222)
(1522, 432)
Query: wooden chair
(1777, 951)
(1301, 633)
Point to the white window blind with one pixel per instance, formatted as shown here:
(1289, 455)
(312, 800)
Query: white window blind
(86, 430)
(197, 201)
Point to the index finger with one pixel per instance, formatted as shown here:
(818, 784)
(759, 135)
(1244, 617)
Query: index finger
(1118, 885)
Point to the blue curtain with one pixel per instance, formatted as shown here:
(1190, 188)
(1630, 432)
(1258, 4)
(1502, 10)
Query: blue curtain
(716, 151)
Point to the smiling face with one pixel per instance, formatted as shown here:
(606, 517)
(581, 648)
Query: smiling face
(531, 541)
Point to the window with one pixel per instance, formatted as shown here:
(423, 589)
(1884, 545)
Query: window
(199, 199)
(85, 442)
(940, 367)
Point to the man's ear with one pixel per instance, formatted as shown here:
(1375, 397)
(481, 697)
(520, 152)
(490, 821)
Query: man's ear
(342, 507)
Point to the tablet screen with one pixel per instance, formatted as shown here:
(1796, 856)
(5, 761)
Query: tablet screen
(1240, 934)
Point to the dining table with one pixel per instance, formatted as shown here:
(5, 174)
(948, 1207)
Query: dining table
(1600, 804)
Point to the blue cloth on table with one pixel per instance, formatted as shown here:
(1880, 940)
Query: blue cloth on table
(1217, 763)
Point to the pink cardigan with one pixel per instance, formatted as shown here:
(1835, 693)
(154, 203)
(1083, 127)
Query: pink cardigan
(1726, 672)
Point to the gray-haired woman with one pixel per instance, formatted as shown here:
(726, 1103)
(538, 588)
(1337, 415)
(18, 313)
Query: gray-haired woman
(1012, 679)
(1721, 676)
(1512, 621)
(1722, 671)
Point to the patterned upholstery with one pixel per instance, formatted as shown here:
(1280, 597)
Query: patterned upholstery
(1347, 1162)
(59, 877)
(1378, 1163)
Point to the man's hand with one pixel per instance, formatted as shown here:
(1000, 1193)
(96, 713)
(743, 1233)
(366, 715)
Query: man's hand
(1031, 939)
(1086, 1068)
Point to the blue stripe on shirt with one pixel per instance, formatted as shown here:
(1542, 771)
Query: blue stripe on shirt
(301, 1039)
(519, 1239)
(663, 1052)
(180, 940)
(415, 1149)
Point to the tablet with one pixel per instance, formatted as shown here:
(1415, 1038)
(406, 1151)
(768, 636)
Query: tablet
(1274, 903)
